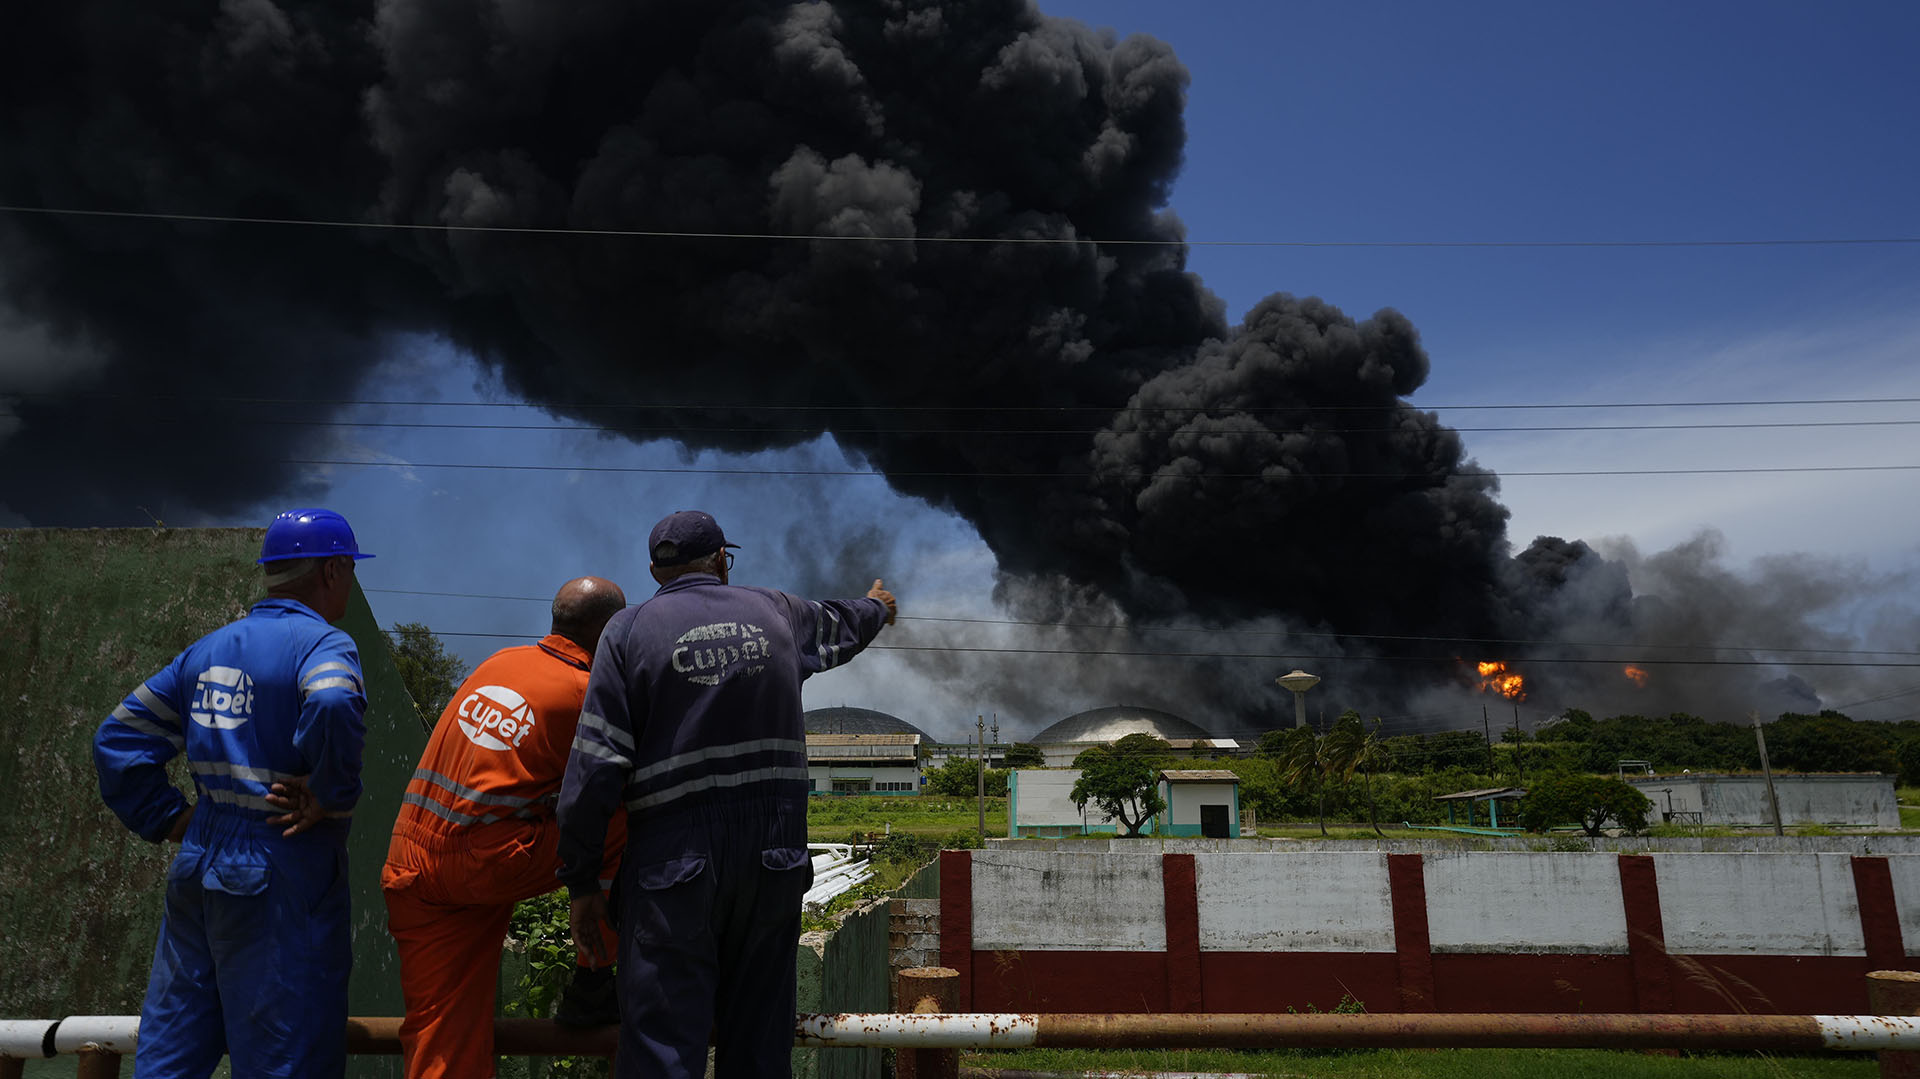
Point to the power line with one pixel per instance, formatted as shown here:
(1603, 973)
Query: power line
(668, 234)
(761, 429)
(1120, 474)
(1405, 638)
(722, 406)
(1307, 657)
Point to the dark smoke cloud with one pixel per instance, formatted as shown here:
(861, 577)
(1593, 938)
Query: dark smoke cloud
(1083, 404)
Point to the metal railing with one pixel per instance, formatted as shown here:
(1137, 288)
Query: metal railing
(929, 1039)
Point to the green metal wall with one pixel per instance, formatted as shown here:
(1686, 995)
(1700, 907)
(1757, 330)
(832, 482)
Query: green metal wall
(85, 615)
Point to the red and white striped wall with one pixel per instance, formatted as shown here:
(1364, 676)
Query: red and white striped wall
(1064, 931)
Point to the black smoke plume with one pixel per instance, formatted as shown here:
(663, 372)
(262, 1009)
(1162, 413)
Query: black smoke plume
(1081, 402)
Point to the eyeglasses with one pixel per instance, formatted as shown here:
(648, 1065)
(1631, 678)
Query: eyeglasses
(729, 555)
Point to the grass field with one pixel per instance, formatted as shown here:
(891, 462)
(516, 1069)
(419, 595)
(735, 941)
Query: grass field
(1436, 1063)
(832, 820)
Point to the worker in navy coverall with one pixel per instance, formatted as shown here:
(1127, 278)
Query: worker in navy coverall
(254, 948)
(692, 720)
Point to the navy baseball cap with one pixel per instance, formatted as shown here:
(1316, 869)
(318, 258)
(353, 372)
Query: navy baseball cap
(684, 536)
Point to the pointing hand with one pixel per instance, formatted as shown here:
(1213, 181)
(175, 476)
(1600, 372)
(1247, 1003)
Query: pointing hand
(886, 597)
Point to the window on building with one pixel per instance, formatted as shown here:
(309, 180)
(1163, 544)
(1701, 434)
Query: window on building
(852, 786)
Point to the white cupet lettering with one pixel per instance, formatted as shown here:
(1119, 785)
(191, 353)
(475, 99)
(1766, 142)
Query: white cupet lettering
(496, 708)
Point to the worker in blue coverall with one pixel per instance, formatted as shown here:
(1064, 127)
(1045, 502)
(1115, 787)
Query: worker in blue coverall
(692, 720)
(254, 947)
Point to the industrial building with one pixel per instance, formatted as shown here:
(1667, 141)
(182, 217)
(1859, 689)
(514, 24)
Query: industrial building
(861, 751)
(1841, 799)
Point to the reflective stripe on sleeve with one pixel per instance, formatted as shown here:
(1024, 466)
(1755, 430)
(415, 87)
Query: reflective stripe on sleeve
(311, 688)
(605, 753)
(826, 640)
(694, 786)
(155, 705)
(148, 727)
(591, 722)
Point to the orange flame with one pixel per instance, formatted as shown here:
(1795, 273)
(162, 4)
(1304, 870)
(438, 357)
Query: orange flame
(1495, 676)
(1637, 675)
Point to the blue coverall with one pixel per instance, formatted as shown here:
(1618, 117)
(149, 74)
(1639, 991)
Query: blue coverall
(254, 947)
(692, 719)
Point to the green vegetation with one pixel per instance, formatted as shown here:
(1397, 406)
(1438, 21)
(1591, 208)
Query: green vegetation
(1122, 780)
(1435, 1063)
(1587, 800)
(959, 777)
(429, 671)
(868, 817)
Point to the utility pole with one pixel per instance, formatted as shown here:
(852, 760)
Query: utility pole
(1773, 799)
(1519, 747)
(981, 775)
(1486, 729)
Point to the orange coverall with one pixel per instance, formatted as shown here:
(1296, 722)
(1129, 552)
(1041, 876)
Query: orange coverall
(476, 835)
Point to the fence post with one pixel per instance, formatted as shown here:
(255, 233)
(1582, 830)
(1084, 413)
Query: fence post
(1895, 992)
(924, 990)
(98, 1064)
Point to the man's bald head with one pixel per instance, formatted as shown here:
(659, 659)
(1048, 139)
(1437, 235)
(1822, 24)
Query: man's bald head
(581, 609)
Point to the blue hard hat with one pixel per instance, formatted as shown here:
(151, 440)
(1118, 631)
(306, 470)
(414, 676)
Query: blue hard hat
(310, 533)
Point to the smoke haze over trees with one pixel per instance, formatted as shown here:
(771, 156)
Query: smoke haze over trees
(866, 181)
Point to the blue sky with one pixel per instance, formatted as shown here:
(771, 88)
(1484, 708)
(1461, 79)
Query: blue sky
(1374, 123)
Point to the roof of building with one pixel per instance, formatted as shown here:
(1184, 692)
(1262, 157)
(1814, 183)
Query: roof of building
(844, 720)
(1198, 775)
(1113, 723)
(1482, 794)
(862, 739)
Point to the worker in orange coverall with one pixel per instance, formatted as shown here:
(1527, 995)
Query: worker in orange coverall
(476, 835)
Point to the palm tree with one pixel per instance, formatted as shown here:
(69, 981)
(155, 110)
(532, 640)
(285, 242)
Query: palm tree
(1304, 761)
(1351, 748)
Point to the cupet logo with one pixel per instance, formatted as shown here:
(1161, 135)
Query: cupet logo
(495, 717)
(222, 698)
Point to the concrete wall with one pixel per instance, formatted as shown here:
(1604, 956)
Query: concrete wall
(1854, 801)
(1232, 930)
(1753, 844)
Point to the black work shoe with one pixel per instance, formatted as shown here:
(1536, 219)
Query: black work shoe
(589, 1000)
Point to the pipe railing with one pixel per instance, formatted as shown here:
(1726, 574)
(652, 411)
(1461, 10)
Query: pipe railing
(929, 1039)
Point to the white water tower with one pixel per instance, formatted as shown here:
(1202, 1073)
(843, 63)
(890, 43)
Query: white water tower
(1299, 682)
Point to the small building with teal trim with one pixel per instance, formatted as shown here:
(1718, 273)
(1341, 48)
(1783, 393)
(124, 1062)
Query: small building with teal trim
(1199, 801)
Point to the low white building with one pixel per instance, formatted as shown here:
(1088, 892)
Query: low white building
(863, 763)
(1200, 801)
(1844, 799)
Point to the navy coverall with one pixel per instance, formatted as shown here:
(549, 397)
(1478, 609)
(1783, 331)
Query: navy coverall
(254, 946)
(692, 720)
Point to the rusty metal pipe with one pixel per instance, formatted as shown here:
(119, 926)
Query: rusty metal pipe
(110, 1036)
(1402, 1031)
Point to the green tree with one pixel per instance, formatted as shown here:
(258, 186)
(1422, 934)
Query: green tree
(1587, 800)
(959, 777)
(1122, 780)
(1307, 761)
(427, 669)
(1353, 748)
(1025, 755)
